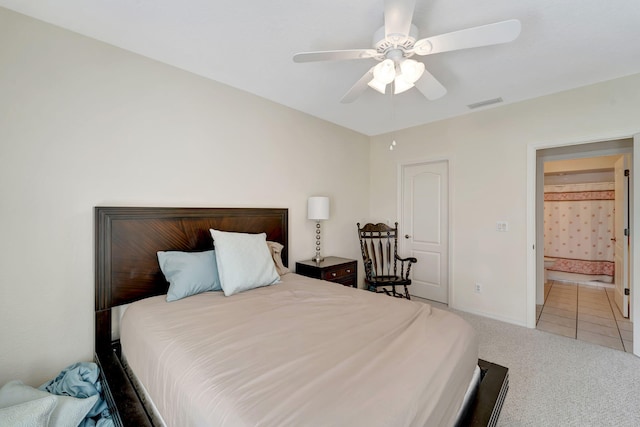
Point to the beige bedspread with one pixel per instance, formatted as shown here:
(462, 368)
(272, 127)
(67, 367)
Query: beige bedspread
(300, 353)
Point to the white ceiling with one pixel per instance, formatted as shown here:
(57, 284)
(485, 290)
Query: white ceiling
(249, 45)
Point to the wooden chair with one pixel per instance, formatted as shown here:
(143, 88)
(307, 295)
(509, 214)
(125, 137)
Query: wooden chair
(379, 245)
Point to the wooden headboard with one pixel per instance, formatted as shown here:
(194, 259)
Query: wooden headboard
(127, 239)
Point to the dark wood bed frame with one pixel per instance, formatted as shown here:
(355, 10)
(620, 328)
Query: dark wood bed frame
(126, 266)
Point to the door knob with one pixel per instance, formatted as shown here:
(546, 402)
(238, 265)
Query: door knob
(406, 236)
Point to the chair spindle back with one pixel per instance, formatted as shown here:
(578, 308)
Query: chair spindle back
(379, 243)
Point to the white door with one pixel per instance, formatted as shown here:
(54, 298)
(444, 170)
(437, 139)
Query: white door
(425, 229)
(621, 234)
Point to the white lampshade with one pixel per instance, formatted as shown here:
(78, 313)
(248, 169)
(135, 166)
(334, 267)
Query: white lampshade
(401, 85)
(378, 85)
(411, 70)
(318, 208)
(385, 71)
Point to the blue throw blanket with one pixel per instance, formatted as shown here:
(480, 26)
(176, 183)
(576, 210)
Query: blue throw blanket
(82, 380)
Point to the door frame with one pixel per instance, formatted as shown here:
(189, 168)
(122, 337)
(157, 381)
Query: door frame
(634, 256)
(626, 220)
(399, 213)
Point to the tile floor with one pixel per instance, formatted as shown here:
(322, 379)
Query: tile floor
(584, 312)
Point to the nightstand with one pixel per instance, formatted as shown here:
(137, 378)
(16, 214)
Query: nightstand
(332, 268)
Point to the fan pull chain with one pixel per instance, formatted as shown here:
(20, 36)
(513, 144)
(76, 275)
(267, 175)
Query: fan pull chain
(393, 122)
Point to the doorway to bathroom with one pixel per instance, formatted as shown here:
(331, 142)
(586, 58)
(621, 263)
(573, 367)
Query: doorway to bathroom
(582, 222)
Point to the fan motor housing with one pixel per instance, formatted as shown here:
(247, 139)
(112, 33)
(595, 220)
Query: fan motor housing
(382, 44)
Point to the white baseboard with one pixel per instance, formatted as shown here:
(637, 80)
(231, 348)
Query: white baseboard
(517, 322)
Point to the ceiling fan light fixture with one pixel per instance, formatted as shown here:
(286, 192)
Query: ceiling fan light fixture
(378, 85)
(401, 85)
(412, 70)
(385, 71)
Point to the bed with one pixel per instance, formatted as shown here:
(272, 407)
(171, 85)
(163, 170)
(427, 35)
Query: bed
(355, 379)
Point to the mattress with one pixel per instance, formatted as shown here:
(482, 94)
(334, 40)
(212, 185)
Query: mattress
(301, 352)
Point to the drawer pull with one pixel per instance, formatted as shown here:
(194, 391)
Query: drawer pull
(348, 270)
(333, 274)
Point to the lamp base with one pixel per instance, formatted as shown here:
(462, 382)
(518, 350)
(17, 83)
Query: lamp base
(317, 259)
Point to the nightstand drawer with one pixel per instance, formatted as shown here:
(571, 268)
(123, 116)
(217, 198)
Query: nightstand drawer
(349, 280)
(336, 273)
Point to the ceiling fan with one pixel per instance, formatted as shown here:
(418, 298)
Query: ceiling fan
(397, 41)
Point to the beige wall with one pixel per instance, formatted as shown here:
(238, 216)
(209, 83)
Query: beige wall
(575, 171)
(488, 154)
(581, 165)
(83, 124)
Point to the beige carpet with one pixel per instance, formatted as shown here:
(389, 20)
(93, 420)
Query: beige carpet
(557, 381)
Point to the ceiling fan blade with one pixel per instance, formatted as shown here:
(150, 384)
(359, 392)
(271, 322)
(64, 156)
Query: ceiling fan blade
(397, 19)
(431, 88)
(484, 35)
(334, 55)
(357, 89)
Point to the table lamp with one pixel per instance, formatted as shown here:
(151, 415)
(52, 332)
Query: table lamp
(318, 210)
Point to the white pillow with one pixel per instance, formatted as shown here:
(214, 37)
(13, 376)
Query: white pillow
(68, 411)
(34, 413)
(244, 261)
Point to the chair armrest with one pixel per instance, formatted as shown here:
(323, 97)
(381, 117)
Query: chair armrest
(406, 262)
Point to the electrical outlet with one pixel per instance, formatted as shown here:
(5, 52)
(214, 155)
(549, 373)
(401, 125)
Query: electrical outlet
(478, 288)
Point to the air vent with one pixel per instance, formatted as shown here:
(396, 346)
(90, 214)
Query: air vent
(485, 103)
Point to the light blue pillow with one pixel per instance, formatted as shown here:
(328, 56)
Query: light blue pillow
(68, 410)
(189, 273)
(34, 413)
(244, 261)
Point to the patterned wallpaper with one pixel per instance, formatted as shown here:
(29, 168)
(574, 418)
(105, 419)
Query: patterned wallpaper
(579, 226)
